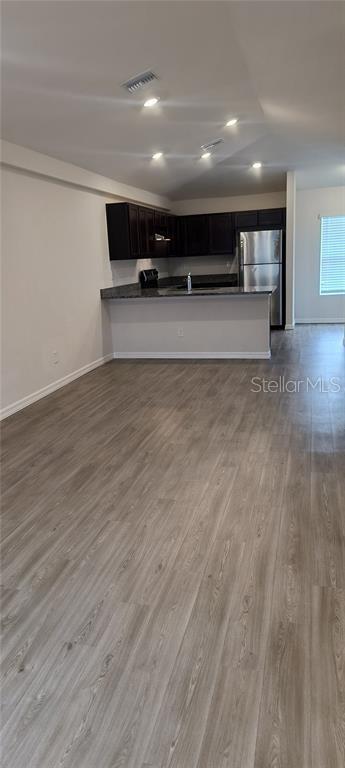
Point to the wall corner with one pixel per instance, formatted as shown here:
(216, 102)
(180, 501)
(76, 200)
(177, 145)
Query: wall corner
(290, 247)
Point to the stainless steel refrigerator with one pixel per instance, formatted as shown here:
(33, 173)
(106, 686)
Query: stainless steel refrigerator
(261, 264)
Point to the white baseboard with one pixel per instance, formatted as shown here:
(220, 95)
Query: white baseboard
(289, 326)
(40, 393)
(320, 320)
(192, 355)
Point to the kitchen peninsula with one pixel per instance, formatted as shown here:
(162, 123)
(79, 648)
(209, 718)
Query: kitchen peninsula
(208, 322)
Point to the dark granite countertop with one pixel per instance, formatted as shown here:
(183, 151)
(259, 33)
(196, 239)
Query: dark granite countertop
(174, 288)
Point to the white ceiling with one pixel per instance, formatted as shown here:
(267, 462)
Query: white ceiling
(278, 66)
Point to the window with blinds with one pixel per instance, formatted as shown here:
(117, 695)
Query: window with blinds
(332, 255)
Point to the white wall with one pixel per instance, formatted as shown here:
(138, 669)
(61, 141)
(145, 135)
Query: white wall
(225, 204)
(54, 262)
(191, 327)
(30, 161)
(309, 305)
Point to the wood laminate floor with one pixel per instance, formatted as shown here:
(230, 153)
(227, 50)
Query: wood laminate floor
(173, 567)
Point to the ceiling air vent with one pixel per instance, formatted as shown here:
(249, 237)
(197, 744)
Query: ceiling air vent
(211, 145)
(140, 81)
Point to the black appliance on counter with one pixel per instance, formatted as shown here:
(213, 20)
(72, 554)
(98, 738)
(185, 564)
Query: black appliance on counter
(148, 278)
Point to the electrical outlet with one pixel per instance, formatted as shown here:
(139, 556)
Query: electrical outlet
(55, 357)
(180, 332)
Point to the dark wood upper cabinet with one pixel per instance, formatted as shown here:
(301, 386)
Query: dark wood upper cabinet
(132, 229)
(146, 232)
(271, 217)
(266, 217)
(221, 238)
(123, 231)
(245, 219)
(195, 235)
(172, 234)
(160, 222)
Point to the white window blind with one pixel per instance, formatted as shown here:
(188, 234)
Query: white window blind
(332, 255)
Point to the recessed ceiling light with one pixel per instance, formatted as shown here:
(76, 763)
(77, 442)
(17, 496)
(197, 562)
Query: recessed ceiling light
(157, 155)
(151, 102)
(205, 155)
(234, 121)
(257, 165)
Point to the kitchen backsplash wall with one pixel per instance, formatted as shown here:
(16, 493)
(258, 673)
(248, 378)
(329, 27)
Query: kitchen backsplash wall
(203, 265)
(124, 272)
